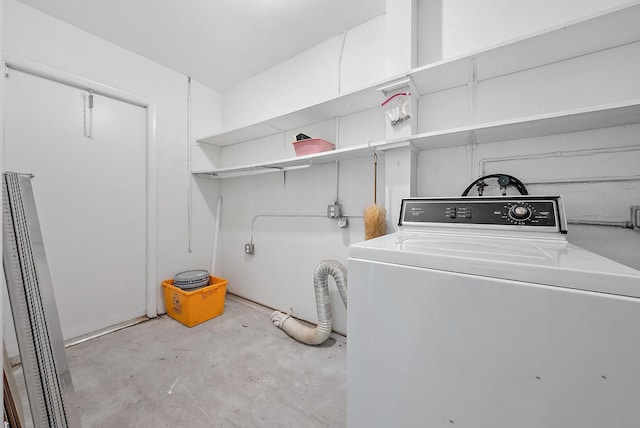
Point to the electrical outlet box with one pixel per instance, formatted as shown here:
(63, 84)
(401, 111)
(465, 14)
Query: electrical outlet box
(334, 211)
(635, 216)
(249, 248)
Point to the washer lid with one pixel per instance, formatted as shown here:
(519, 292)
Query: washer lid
(553, 262)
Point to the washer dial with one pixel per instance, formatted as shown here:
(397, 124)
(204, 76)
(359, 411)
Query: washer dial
(520, 213)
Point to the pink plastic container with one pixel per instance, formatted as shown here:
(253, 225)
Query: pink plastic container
(311, 146)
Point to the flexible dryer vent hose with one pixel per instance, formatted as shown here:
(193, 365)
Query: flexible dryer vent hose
(316, 336)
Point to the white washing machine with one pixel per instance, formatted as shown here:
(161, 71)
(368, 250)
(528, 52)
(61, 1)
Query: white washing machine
(478, 313)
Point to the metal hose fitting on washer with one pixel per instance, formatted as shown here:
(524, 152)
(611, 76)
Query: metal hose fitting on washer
(316, 336)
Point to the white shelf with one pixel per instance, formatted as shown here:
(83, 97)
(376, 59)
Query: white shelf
(300, 161)
(616, 27)
(352, 102)
(583, 119)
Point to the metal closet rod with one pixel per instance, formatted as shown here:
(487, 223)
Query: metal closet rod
(95, 87)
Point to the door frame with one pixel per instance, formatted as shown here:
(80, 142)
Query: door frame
(25, 65)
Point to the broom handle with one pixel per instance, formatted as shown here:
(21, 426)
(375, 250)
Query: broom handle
(375, 177)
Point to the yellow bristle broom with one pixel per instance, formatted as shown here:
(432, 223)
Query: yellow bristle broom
(375, 217)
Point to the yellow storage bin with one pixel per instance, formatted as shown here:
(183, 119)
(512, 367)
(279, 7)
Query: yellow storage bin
(195, 307)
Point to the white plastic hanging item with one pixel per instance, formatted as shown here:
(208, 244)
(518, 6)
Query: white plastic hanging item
(398, 107)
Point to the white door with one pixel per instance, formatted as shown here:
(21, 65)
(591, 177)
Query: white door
(90, 196)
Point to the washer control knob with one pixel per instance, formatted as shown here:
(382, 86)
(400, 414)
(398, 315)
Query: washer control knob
(520, 212)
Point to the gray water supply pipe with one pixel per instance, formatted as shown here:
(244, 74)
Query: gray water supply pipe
(316, 336)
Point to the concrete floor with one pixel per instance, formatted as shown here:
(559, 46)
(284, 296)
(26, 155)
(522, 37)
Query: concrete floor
(236, 370)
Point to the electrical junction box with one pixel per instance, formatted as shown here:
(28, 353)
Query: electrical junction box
(249, 248)
(334, 211)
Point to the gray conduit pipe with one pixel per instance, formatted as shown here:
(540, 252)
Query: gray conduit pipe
(316, 336)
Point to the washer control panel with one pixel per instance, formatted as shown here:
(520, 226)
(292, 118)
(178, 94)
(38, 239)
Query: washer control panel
(540, 213)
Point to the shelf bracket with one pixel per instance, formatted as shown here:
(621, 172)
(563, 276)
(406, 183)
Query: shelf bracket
(472, 86)
(373, 150)
(472, 146)
(413, 85)
(395, 86)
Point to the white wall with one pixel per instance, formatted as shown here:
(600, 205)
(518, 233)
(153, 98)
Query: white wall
(51, 42)
(591, 80)
(288, 249)
(451, 28)
(313, 76)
